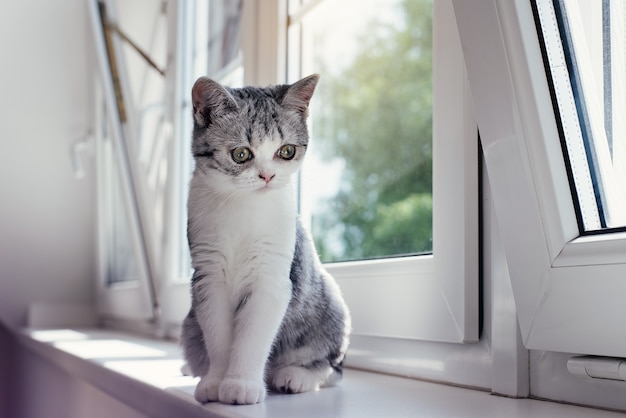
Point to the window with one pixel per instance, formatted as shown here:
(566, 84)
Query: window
(586, 43)
(430, 292)
(367, 185)
(130, 138)
(123, 278)
(209, 45)
(567, 284)
(553, 192)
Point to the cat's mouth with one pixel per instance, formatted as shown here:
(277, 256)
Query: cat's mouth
(269, 186)
(265, 188)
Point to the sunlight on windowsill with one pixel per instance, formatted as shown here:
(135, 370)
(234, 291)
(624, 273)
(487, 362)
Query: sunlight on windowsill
(156, 367)
(145, 374)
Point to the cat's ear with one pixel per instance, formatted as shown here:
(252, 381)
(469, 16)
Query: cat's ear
(298, 95)
(210, 100)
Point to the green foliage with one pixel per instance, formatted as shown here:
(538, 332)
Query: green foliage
(377, 117)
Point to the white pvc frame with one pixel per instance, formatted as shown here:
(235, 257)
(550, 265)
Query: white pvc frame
(568, 289)
(133, 299)
(432, 298)
(439, 292)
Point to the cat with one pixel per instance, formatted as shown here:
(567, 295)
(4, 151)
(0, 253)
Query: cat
(264, 311)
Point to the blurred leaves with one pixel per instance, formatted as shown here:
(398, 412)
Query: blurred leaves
(376, 116)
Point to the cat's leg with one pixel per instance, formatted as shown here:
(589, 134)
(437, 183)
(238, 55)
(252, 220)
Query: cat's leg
(215, 316)
(298, 379)
(302, 369)
(302, 366)
(257, 321)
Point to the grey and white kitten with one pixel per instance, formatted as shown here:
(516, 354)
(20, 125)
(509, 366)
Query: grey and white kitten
(264, 311)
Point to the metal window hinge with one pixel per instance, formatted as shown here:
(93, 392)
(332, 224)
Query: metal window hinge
(612, 368)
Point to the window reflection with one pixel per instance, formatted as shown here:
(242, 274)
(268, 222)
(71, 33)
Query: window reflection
(594, 55)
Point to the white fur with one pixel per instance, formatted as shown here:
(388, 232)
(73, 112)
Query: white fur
(298, 379)
(244, 233)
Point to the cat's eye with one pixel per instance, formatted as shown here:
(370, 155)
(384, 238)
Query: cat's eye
(287, 152)
(241, 155)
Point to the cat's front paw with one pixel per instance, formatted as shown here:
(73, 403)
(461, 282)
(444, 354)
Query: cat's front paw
(241, 392)
(207, 389)
(293, 379)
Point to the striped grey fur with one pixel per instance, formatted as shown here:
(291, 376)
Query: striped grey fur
(309, 340)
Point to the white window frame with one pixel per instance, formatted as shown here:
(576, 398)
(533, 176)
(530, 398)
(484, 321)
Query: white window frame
(568, 288)
(441, 291)
(133, 299)
(434, 297)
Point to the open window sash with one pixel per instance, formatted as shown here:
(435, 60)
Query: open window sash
(140, 162)
(568, 287)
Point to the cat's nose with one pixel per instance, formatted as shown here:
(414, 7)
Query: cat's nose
(266, 177)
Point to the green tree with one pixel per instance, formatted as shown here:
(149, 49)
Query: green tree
(377, 117)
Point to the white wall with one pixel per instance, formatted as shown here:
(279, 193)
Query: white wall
(46, 216)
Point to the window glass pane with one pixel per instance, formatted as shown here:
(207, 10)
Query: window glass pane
(588, 70)
(224, 53)
(122, 262)
(137, 53)
(367, 184)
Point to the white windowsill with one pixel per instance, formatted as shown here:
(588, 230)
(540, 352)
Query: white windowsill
(145, 374)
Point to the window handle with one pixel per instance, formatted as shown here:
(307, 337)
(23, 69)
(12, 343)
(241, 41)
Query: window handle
(611, 368)
(80, 146)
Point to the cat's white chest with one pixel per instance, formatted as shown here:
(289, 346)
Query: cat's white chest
(246, 237)
(257, 225)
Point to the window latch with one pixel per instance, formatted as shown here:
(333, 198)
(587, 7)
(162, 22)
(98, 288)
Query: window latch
(84, 144)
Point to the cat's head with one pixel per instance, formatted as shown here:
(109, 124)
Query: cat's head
(250, 139)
